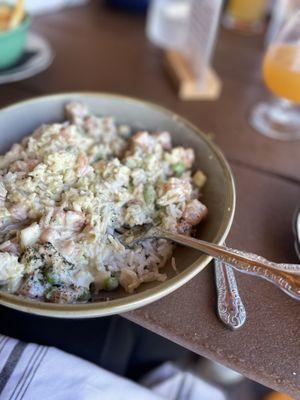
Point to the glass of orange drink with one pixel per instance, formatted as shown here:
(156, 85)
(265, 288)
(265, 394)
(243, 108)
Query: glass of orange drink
(280, 118)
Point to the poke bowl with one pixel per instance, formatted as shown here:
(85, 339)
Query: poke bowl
(119, 162)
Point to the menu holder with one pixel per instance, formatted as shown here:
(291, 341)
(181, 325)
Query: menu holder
(187, 83)
(187, 31)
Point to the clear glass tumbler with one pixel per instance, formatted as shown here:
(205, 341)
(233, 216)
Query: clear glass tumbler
(280, 118)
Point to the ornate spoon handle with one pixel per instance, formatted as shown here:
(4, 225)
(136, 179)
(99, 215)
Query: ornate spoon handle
(290, 284)
(236, 258)
(231, 309)
(285, 276)
(279, 274)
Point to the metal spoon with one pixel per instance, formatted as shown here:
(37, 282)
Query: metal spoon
(230, 307)
(296, 230)
(284, 276)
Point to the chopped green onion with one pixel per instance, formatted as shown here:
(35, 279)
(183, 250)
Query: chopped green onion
(130, 163)
(111, 283)
(178, 168)
(50, 278)
(85, 296)
(148, 158)
(149, 194)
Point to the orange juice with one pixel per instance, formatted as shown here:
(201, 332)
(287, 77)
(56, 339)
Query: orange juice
(247, 10)
(245, 16)
(281, 70)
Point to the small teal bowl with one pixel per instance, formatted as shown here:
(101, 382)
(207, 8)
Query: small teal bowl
(12, 43)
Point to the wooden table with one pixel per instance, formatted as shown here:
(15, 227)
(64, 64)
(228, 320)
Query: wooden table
(103, 50)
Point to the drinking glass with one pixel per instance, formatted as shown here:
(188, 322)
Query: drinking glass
(280, 118)
(245, 16)
(167, 23)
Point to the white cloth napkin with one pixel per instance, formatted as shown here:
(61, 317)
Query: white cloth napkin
(34, 372)
(172, 383)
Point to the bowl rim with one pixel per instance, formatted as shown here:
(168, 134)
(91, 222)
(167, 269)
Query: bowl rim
(24, 24)
(134, 300)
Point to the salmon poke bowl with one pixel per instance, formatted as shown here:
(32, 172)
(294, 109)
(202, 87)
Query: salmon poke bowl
(81, 170)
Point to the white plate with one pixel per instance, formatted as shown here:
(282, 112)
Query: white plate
(37, 57)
